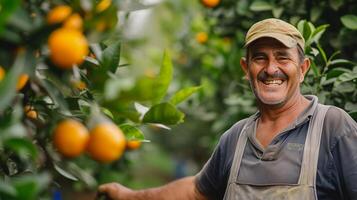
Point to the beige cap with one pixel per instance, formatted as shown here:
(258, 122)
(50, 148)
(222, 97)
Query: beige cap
(277, 29)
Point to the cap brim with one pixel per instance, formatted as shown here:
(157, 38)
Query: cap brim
(284, 39)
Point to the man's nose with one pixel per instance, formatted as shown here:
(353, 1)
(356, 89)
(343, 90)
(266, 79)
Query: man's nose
(272, 67)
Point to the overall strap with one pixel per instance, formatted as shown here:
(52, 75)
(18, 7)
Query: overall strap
(312, 147)
(238, 154)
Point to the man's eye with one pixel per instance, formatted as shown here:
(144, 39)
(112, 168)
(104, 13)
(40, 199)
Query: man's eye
(282, 58)
(259, 58)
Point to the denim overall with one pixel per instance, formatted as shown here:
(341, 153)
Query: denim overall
(306, 186)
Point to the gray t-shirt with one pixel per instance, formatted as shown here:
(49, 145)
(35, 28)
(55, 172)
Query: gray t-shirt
(337, 164)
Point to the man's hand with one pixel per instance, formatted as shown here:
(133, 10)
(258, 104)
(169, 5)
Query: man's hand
(116, 191)
(182, 189)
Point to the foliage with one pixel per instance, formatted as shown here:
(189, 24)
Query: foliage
(100, 87)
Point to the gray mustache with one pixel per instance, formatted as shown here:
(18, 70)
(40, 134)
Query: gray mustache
(263, 76)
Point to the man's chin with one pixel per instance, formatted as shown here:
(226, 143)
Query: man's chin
(273, 102)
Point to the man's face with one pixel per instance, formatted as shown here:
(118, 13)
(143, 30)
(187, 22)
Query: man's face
(274, 71)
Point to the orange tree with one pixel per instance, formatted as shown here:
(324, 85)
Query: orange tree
(68, 104)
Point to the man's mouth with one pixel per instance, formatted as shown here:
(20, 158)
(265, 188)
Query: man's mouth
(272, 82)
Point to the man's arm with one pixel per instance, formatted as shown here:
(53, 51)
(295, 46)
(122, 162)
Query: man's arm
(182, 189)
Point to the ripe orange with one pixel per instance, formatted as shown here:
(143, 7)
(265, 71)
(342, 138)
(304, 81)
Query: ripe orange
(133, 144)
(30, 112)
(210, 3)
(103, 5)
(67, 47)
(58, 14)
(106, 143)
(74, 22)
(2, 73)
(201, 37)
(22, 81)
(70, 138)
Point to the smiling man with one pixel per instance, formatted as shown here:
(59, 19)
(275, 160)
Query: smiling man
(292, 148)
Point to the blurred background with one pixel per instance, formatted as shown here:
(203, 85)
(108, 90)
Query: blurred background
(204, 39)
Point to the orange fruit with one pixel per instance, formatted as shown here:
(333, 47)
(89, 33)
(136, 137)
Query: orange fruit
(210, 3)
(58, 14)
(30, 112)
(201, 37)
(22, 81)
(103, 5)
(74, 22)
(67, 47)
(80, 85)
(133, 144)
(2, 73)
(70, 138)
(106, 143)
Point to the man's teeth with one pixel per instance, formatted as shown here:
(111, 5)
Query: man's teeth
(277, 82)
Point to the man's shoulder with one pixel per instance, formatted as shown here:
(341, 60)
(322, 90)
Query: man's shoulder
(232, 134)
(339, 123)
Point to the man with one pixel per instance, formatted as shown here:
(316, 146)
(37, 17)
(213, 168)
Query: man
(293, 148)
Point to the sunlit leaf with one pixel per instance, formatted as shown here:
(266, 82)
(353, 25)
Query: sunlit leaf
(349, 21)
(183, 94)
(164, 78)
(111, 57)
(65, 173)
(131, 132)
(260, 6)
(164, 113)
(21, 146)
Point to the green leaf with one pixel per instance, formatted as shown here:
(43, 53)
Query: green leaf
(322, 53)
(336, 72)
(316, 13)
(21, 146)
(7, 8)
(164, 113)
(183, 94)
(315, 69)
(29, 186)
(111, 57)
(349, 21)
(335, 4)
(8, 84)
(349, 106)
(260, 6)
(277, 11)
(65, 173)
(131, 132)
(162, 82)
(7, 189)
(316, 35)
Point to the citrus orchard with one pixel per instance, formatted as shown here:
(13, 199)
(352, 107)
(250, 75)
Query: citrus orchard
(70, 138)
(106, 143)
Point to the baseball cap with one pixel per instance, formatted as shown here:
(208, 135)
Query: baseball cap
(278, 29)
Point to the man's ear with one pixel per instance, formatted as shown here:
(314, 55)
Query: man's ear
(244, 65)
(305, 66)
